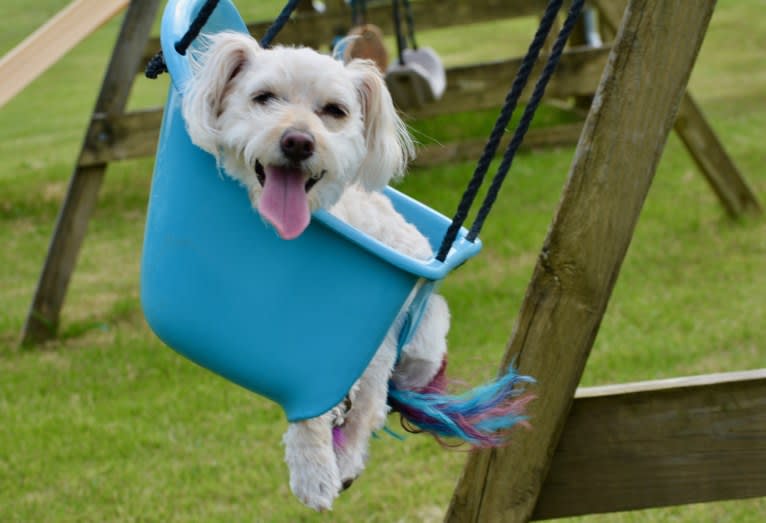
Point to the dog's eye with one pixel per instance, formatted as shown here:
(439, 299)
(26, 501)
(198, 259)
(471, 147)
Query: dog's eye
(334, 110)
(264, 97)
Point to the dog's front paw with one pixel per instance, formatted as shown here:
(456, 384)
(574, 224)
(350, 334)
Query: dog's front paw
(314, 476)
(316, 485)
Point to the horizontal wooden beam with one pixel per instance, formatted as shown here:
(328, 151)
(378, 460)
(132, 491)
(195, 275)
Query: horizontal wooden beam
(485, 85)
(427, 15)
(310, 27)
(652, 444)
(471, 149)
(134, 135)
(122, 137)
(469, 88)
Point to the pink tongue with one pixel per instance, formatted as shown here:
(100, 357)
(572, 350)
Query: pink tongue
(283, 202)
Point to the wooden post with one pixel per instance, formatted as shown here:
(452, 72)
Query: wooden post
(614, 164)
(700, 140)
(80, 200)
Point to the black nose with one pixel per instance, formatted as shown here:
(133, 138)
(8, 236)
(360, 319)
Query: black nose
(297, 145)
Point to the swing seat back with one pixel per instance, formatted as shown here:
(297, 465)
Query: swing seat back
(420, 80)
(296, 321)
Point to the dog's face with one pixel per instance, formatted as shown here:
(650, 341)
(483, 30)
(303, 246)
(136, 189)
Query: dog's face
(295, 127)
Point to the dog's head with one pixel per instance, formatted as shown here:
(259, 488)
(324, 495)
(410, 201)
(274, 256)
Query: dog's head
(294, 126)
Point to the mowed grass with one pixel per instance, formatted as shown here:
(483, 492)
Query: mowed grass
(107, 424)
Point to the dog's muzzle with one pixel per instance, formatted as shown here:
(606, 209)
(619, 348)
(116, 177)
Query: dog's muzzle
(284, 201)
(312, 180)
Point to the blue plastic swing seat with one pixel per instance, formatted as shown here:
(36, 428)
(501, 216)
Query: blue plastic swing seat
(295, 321)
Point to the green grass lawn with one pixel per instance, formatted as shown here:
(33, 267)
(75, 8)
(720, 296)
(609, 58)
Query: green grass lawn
(107, 424)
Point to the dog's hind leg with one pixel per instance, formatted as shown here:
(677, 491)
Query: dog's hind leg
(423, 357)
(367, 414)
(309, 455)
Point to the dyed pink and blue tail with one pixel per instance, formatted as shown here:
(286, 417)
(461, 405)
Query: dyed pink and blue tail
(481, 417)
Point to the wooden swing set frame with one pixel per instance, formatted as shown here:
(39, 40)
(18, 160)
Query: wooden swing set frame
(603, 449)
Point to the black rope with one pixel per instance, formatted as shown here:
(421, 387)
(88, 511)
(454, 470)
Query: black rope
(410, 23)
(511, 99)
(196, 26)
(157, 65)
(279, 23)
(526, 118)
(401, 44)
(358, 12)
(401, 39)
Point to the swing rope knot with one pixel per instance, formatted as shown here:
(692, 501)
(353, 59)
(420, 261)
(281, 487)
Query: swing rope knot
(156, 66)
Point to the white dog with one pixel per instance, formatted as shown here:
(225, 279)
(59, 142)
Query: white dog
(302, 131)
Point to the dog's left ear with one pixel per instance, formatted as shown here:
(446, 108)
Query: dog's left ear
(389, 145)
(215, 67)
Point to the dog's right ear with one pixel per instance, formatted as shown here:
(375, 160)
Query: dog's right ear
(214, 68)
(389, 145)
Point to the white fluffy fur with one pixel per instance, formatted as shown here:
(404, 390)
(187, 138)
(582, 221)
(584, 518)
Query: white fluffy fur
(358, 153)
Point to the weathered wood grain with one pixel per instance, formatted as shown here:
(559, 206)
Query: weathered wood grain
(652, 444)
(71, 225)
(614, 164)
(707, 151)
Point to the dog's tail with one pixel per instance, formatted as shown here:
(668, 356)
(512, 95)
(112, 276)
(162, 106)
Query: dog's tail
(481, 417)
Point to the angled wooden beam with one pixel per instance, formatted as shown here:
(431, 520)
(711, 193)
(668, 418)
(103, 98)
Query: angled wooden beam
(43, 48)
(707, 151)
(660, 443)
(613, 168)
(80, 200)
